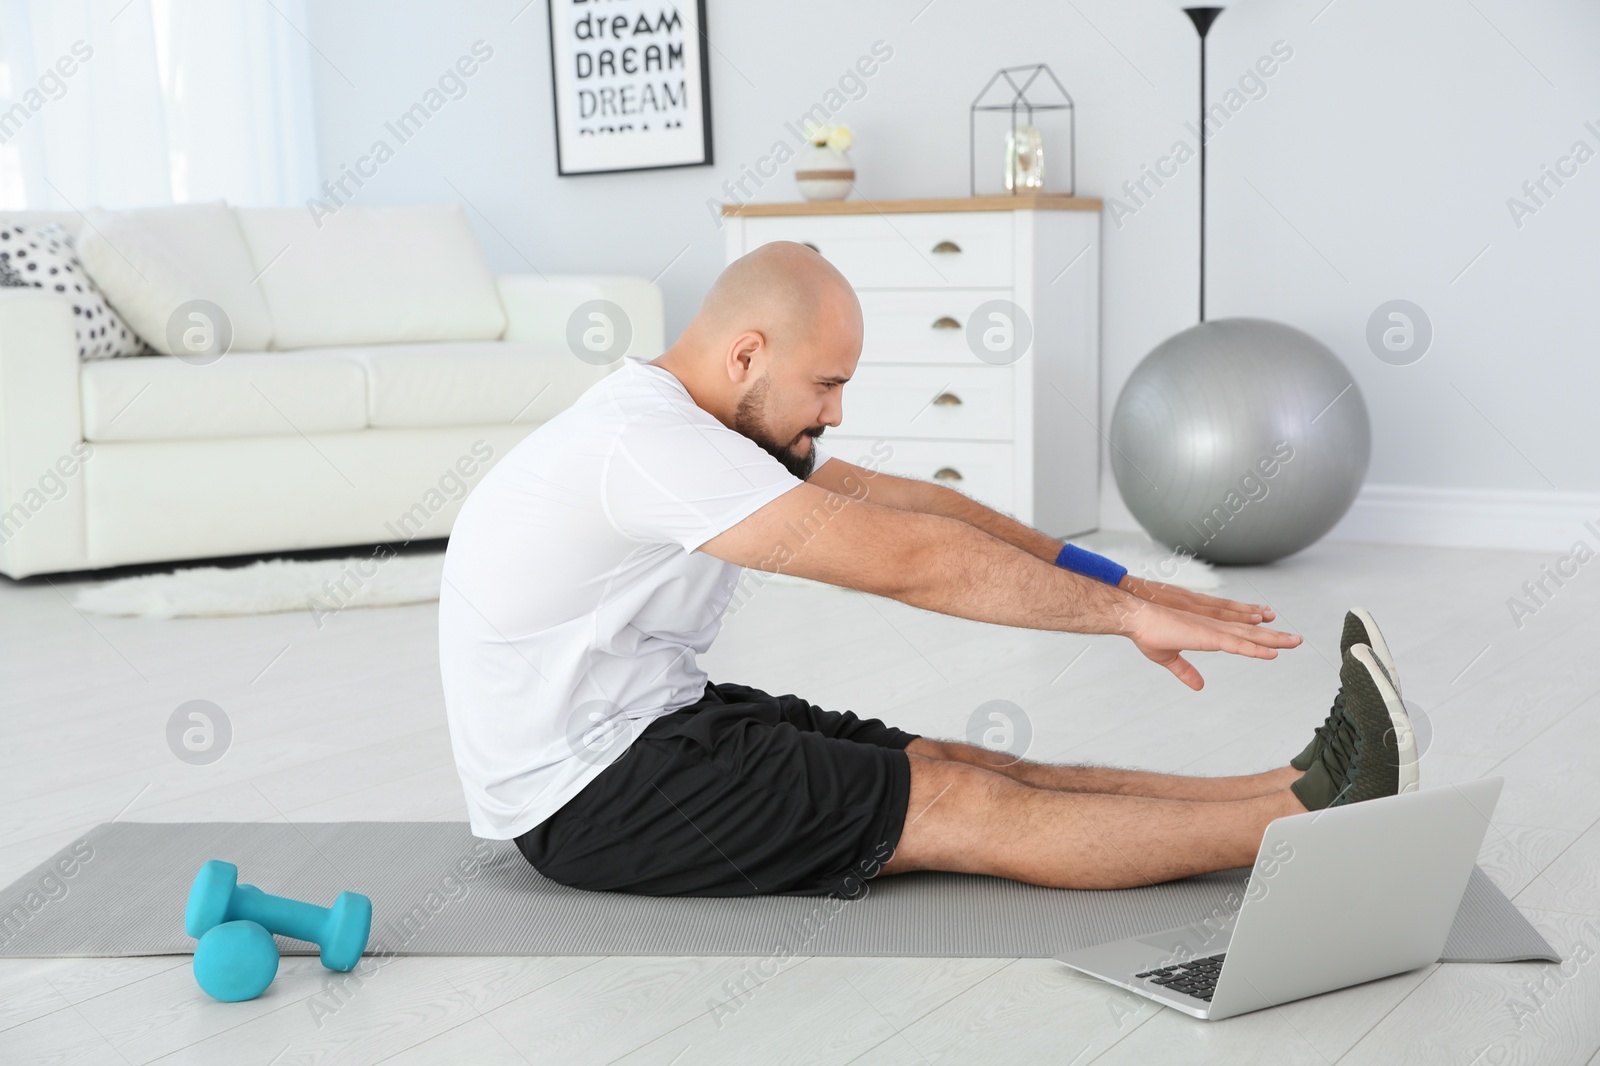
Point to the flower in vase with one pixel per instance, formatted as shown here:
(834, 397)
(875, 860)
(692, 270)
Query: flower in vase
(835, 137)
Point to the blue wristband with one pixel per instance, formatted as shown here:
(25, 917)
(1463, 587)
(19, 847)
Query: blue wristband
(1089, 564)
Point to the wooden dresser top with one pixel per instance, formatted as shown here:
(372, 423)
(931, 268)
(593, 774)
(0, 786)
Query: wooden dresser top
(1020, 202)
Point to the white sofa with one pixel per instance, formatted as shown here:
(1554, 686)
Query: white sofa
(364, 426)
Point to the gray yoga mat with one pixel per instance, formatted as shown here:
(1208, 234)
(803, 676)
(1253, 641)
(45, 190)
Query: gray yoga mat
(437, 890)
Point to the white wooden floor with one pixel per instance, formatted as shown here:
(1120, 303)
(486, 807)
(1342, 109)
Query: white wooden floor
(346, 722)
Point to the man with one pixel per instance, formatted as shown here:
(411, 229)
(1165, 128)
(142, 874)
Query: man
(594, 562)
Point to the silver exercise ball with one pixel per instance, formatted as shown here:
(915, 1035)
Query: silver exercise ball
(1240, 440)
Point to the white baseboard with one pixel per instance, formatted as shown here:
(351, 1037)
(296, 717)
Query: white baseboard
(1447, 518)
(1471, 518)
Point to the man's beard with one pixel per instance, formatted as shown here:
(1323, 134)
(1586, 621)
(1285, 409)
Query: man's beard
(748, 421)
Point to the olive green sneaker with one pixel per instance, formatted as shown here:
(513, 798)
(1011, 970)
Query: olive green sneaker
(1364, 757)
(1359, 628)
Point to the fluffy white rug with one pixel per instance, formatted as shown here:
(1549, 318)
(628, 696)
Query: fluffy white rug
(321, 586)
(384, 579)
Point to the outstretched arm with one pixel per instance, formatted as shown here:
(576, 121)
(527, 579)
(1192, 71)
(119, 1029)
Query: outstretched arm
(953, 567)
(924, 497)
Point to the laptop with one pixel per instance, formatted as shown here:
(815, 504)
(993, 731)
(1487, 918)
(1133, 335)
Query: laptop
(1336, 897)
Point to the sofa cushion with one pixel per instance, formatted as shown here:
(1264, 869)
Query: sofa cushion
(153, 262)
(467, 383)
(70, 221)
(372, 275)
(243, 394)
(41, 257)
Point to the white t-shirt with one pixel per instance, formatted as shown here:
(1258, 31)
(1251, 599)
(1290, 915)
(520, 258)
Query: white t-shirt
(574, 600)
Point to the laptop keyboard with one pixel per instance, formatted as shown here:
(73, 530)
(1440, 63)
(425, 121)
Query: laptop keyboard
(1197, 978)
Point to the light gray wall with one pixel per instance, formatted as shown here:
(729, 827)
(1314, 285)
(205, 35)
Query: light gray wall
(1378, 164)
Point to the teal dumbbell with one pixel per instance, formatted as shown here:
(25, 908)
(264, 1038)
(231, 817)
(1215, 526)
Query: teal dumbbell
(235, 961)
(341, 930)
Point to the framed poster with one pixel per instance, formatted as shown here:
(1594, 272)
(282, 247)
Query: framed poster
(631, 85)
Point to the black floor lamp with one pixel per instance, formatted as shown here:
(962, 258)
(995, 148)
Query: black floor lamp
(1202, 17)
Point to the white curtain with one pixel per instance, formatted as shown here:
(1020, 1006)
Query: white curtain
(124, 103)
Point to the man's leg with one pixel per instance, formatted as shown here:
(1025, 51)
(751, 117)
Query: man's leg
(969, 819)
(1108, 780)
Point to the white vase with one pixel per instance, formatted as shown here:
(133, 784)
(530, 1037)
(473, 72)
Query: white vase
(820, 173)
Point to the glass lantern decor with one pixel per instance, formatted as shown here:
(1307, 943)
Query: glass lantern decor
(1022, 134)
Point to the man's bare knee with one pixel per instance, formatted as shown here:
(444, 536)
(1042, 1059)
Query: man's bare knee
(950, 804)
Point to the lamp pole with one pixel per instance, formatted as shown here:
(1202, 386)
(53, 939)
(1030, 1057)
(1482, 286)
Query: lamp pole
(1202, 17)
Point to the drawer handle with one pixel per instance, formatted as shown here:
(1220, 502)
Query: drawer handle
(947, 248)
(813, 247)
(947, 399)
(947, 473)
(946, 322)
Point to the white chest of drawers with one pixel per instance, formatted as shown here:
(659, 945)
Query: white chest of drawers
(980, 366)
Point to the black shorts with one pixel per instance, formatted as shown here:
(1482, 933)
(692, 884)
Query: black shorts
(740, 794)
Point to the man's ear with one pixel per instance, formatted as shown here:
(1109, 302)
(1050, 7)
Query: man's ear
(742, 351)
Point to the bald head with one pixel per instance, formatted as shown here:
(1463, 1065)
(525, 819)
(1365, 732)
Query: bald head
(783, 290)
(771, 347)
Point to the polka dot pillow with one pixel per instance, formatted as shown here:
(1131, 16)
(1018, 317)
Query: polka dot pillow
(42, 257)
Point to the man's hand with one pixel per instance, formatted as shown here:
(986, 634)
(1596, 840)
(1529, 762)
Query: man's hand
(1181, 599)
(1162, 634)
